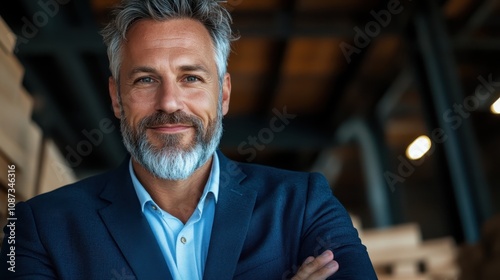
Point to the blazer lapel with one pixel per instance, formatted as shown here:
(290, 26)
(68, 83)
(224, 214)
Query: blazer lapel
(232, 219)
(130, 229)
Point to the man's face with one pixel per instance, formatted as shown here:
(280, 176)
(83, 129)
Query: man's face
(169, 90)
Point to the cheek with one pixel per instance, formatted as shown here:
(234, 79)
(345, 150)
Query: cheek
(134, 113)
(209, 114)
(203, 104)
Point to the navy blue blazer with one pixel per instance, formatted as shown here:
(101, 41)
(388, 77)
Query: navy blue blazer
(267, 221)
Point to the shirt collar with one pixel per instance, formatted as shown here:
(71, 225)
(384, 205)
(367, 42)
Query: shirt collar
(212, 185)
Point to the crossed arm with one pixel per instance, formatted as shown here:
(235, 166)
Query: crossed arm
(317, 268)
(329, 243)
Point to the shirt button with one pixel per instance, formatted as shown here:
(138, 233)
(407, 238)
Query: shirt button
(183, 240)
(154, 207)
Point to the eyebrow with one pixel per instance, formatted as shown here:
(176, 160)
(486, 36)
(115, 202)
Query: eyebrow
(142, 69)
(184, 68)
(194, 67)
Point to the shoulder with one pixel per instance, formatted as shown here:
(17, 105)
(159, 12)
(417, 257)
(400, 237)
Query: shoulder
(82, 192)
(266, 178)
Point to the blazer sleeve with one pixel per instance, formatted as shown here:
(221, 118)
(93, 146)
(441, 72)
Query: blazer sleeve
(327, 225)
(31, 259)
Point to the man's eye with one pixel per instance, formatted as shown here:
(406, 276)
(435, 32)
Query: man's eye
(144, 80)
(192, 79)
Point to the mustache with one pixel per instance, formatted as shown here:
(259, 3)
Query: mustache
(179, 117)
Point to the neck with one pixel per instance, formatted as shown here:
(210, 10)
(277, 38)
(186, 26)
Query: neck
(178, 198)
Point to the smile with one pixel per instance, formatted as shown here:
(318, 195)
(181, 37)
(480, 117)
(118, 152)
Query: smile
(171, 128)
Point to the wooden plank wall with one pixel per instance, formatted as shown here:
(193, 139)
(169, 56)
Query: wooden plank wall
(39, 166)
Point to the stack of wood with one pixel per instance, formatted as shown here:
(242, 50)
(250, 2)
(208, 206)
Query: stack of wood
(35, 164)
(399, 253)
(481, 261)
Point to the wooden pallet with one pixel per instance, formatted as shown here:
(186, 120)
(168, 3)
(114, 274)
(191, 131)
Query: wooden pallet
(399, 253)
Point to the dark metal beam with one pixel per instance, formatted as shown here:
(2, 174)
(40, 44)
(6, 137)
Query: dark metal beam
(283, 24)
(374, 153)
(388, 103)
(397, 25)
(460, 146)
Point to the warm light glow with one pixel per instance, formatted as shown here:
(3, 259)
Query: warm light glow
(495, 108)
(419, 148)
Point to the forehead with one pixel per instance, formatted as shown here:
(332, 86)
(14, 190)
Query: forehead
(183, 33)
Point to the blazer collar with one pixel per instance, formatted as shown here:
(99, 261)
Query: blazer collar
(130, 229)
(231, 222)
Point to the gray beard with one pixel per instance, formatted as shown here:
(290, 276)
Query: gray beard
(171, 161)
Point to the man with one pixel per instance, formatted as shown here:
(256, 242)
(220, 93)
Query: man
(177, 208)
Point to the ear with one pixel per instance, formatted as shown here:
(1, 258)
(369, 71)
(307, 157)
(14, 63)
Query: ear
(113, 93)
(226, 93)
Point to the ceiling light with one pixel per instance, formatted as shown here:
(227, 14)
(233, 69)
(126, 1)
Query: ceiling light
(495, 108)
(418, 148)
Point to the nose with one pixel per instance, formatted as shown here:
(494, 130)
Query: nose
(169, 98)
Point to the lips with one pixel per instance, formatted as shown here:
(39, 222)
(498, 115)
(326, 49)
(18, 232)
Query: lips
(171, 128)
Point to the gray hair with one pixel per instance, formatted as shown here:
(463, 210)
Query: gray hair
(210, 13)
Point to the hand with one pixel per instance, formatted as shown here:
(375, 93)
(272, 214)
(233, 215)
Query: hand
(318, 268)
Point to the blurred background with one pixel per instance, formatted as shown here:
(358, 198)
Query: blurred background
(393, 101)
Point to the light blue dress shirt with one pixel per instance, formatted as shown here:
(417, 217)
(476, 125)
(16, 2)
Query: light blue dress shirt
(184, 246)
